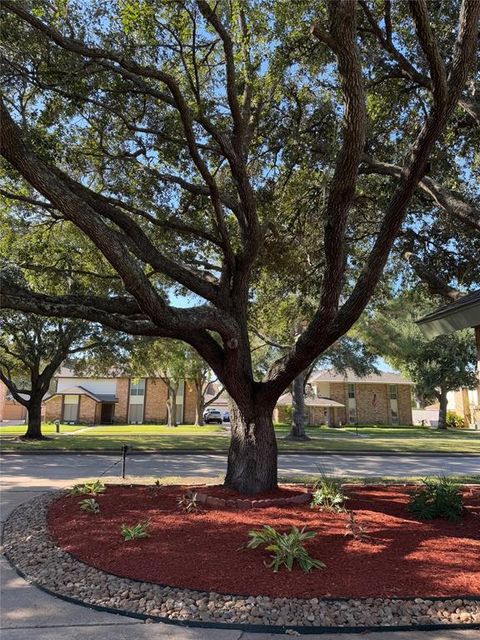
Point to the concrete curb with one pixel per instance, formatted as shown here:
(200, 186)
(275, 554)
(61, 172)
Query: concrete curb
(216, 452)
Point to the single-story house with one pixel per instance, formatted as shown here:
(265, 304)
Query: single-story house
(335, 398)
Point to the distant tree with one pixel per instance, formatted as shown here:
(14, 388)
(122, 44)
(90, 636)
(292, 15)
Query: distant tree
(32, 348)
(436, 366)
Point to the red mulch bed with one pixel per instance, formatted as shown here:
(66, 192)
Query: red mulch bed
(202, 551)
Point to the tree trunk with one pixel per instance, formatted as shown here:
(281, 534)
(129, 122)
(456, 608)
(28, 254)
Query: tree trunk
(442, 413)
(297, 431)
(172, 408)
(199, 408)
(252, 457)
(34, 429)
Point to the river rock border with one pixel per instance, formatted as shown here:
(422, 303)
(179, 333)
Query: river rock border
(30, 549)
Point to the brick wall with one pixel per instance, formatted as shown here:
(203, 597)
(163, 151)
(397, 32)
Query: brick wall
(121, 407)
(338, 392)
(190, 401)
(155, 401)
(87, 410)
(3, 393)
(367, 413)
(404, 400)
(53, 409)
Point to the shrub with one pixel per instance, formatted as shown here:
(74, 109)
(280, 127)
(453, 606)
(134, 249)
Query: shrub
(90, 505)
(328, 494)
(286, 548)
(437, 498)
(188, 502)
(139, 530)
(88, 488)
(454, 421)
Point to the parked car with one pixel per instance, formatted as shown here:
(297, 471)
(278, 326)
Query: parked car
(226, 416)
(212, 416)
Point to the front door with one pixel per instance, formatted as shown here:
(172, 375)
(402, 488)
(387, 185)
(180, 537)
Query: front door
(107, 413)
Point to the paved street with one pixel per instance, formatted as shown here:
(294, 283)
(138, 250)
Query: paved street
(30, 614)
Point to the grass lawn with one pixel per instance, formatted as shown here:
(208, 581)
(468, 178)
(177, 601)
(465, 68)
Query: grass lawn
(215, 438)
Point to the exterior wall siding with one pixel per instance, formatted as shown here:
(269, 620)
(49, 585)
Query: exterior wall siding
(87, 410)
(53, 409)
(121, 407)
(155, 409)
(338, 392)
(404, 395)
(372, 403)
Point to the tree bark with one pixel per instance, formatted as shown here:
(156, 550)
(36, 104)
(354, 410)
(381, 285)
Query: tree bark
(34, 429)
(297, 431)
(442, 413)
(252, 457)
(199, 408)
(172, 407)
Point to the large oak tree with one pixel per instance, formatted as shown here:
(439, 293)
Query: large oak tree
(187, 139)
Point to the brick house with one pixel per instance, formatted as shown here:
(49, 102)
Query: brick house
(10, 409)
(333, 398)
(115, 400)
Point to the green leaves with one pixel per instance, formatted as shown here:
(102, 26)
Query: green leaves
(136, 531)
(328, 494)
(88, 488)
(90, 505)
(285, 548)
(438, 498)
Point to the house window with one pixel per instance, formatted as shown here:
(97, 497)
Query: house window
(137, 401)
(351, 404)
(137, 388)
(70, 408)
(135, 413)
(393, 399)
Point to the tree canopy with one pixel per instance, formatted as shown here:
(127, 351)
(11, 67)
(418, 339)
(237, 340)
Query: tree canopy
(207, 149)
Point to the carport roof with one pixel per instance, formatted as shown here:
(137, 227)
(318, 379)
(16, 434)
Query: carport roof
(461, 314)
(81, 391)
(286, 400)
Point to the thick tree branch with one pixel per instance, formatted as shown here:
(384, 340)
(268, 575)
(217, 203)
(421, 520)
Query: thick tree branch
(430, 48)
(342, 29)
(451, 202)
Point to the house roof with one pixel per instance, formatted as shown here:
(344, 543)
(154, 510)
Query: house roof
(384, 377)
(81, 391)
(461, 314)
(66, 372)
(286, 400)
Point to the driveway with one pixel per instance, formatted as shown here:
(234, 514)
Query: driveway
(28, 613)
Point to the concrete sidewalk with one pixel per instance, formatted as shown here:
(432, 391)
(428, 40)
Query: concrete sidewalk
(30, 614)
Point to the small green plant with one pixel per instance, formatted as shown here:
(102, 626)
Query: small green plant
(139, 530)
(188, 502)
(88, 488)
(454, 421)
(285, 548)
(328, 494)
(438, 498)
(90, 505)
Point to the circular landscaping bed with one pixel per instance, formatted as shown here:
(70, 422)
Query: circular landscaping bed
(195, 568)
(206, 549)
